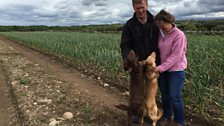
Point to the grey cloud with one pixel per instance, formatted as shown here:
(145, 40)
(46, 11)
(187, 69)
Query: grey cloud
(187, 4)
(83, 22)
(200, 8)
(62, 13)
(212, 6)
(19, 9)
(17, 12)
(28, 15)
(74, 15)
(87, 2)
(164, 1)
(100, 4)
(83, 12)
(47, 15)
(63, 5)
(103, 9)
(210, 3)
(95, 2)
(125, 15)
(167, 1)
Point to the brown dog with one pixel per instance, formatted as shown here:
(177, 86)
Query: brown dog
(136, 105)
(151, 89)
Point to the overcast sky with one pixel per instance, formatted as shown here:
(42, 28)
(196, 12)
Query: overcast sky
(85, 12)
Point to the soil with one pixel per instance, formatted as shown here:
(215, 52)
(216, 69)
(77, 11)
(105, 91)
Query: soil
(40, 89)
(4, 116)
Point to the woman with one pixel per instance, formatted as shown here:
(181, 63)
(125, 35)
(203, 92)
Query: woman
(172, 45)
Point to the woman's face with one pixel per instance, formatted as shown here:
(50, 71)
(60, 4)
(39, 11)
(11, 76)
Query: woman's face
(164, 26)
(141, 9)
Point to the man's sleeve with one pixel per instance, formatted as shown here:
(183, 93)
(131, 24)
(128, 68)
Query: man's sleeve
(125, 42)
(158, 61)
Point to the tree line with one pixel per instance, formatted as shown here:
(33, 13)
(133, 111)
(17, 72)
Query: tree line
(187, 25)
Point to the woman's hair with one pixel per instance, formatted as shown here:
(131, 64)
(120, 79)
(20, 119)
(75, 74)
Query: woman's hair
(139, 1)
(165, 17)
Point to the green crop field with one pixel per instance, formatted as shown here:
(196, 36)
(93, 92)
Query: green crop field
(203, 89)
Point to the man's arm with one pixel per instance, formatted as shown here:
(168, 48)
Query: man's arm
(158, 61)
(125, 42)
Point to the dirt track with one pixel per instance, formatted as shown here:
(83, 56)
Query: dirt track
(80, 81)
(4, 102)
(45, 89)
(75, 90)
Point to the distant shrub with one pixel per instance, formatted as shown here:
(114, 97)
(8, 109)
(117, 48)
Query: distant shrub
(190, 26)
(201, 27)
(219, 28)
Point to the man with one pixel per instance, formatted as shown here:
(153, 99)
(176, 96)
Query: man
(140, 33)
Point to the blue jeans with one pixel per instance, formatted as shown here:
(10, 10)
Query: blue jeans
(171, 84)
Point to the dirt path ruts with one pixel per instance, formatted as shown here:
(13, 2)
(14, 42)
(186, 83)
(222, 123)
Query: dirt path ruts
(71, 75)
(77, 89)
(4, 101)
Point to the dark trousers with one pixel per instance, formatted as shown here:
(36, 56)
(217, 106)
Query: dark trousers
(171, 84)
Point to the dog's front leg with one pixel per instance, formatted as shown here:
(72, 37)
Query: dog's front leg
(141, 121)
(129, 119)
(154, 123)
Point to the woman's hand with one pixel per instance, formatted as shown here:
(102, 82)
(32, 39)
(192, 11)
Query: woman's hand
(157, 70)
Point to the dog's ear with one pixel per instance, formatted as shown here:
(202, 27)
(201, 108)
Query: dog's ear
(132, 53)
(153, 54)
(149, 60)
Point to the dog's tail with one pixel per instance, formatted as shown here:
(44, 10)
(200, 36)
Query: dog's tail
(156, 117)
(122, 107)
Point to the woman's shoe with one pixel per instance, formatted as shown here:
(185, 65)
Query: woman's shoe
(177, 124)
(172, 123)
(164, 122)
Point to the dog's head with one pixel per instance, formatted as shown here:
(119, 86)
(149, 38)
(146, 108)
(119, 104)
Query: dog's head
(151, 60)
(130, 62)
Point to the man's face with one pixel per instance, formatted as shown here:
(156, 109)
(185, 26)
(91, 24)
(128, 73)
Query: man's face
(141, 9)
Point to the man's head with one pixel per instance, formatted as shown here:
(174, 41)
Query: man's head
(140, 7)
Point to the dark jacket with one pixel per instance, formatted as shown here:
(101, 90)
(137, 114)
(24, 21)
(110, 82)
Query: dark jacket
(143, 39)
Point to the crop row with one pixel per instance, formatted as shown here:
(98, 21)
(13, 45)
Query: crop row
(204, 86)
